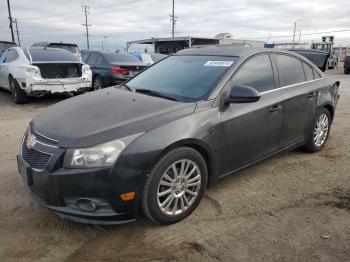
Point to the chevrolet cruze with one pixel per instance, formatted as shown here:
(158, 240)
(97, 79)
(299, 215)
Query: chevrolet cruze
(155, 143)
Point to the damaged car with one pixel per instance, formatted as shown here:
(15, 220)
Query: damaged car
(38, 71)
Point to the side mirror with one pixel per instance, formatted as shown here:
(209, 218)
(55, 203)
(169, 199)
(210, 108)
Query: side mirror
(242, 94)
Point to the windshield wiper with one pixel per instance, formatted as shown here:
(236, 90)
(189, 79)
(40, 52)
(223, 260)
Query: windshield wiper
(155, 93)
(126, 86)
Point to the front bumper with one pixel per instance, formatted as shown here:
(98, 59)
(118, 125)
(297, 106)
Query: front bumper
(63, 190)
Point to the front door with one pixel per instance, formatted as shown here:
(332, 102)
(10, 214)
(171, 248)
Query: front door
(252, 131)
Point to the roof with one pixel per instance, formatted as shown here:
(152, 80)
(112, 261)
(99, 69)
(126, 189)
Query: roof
(59, 43)
(222, 50)
(168, 39)
(230, 50)
(8, 42)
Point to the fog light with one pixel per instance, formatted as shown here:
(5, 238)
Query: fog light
(86, 204)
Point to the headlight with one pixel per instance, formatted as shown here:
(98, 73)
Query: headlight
(98, 156)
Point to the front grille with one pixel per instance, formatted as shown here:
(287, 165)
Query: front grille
(35, 158)
(42, 138)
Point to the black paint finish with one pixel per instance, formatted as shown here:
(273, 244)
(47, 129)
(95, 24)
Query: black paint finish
(230, 136)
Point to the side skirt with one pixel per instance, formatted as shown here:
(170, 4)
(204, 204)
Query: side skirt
(288, 148)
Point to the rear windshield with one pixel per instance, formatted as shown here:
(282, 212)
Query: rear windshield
(4, 46)
(50, 55)
(70, 48)
(115, 57)
(186, 78)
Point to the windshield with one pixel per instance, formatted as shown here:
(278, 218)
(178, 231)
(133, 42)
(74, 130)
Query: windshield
(186, 78)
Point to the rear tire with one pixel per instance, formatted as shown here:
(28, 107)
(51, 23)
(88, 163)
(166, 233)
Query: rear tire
(175, 186)
(97, 83)
(346, 71)
(319, 133)
(19, 96)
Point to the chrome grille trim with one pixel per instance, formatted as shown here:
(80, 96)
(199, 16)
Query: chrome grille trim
(40, 137)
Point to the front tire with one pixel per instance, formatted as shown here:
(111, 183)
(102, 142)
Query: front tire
(319, 132)
(175, 186)
(19, 96)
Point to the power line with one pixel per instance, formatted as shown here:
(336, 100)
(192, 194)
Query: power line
(10, 19)
(316, 33)
(86, 11)
(128, 7)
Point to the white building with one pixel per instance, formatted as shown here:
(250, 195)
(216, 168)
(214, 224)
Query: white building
(227, 39)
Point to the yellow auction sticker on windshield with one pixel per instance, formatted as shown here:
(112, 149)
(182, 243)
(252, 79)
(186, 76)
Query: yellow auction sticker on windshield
(219, 63)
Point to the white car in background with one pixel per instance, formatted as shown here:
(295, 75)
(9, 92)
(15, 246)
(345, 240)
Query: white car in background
(38, 71)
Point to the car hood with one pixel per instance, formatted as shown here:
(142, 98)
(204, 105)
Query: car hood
(104, 115)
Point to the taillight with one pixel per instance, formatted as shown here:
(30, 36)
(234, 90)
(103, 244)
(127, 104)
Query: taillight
(119, 70)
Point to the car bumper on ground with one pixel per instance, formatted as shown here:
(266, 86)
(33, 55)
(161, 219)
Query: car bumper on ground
(83, 195)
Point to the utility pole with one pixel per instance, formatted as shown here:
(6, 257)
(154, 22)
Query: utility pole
(86, 11)
(10, 19)
(173, 20)
(295, 26)
(19, 41)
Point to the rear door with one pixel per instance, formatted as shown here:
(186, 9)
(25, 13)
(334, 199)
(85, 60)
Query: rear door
(299, 93)
(251, 131)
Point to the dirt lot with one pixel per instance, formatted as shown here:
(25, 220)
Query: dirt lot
(294, 207)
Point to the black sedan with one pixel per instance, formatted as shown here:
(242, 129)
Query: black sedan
(177, 127)
(111, 68)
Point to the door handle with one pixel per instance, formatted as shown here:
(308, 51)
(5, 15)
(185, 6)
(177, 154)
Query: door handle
(275, 108)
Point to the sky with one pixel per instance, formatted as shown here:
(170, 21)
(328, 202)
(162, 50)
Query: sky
(114, 22)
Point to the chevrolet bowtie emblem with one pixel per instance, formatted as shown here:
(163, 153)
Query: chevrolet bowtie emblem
(30, 141)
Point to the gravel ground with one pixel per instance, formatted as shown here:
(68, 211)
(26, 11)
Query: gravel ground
(293, 207)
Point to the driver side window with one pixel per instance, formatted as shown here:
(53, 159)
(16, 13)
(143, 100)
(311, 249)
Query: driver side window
(257, 73)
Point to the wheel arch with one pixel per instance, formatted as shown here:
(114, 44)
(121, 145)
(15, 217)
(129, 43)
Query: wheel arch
(330, 108)
(201, 148)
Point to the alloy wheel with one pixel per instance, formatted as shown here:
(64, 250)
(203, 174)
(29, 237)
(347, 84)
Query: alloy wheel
(321, 130)
(179, 187)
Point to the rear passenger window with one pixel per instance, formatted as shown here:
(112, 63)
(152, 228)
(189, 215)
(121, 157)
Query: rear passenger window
(308, 72)
(290, 70)
(256, 73)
